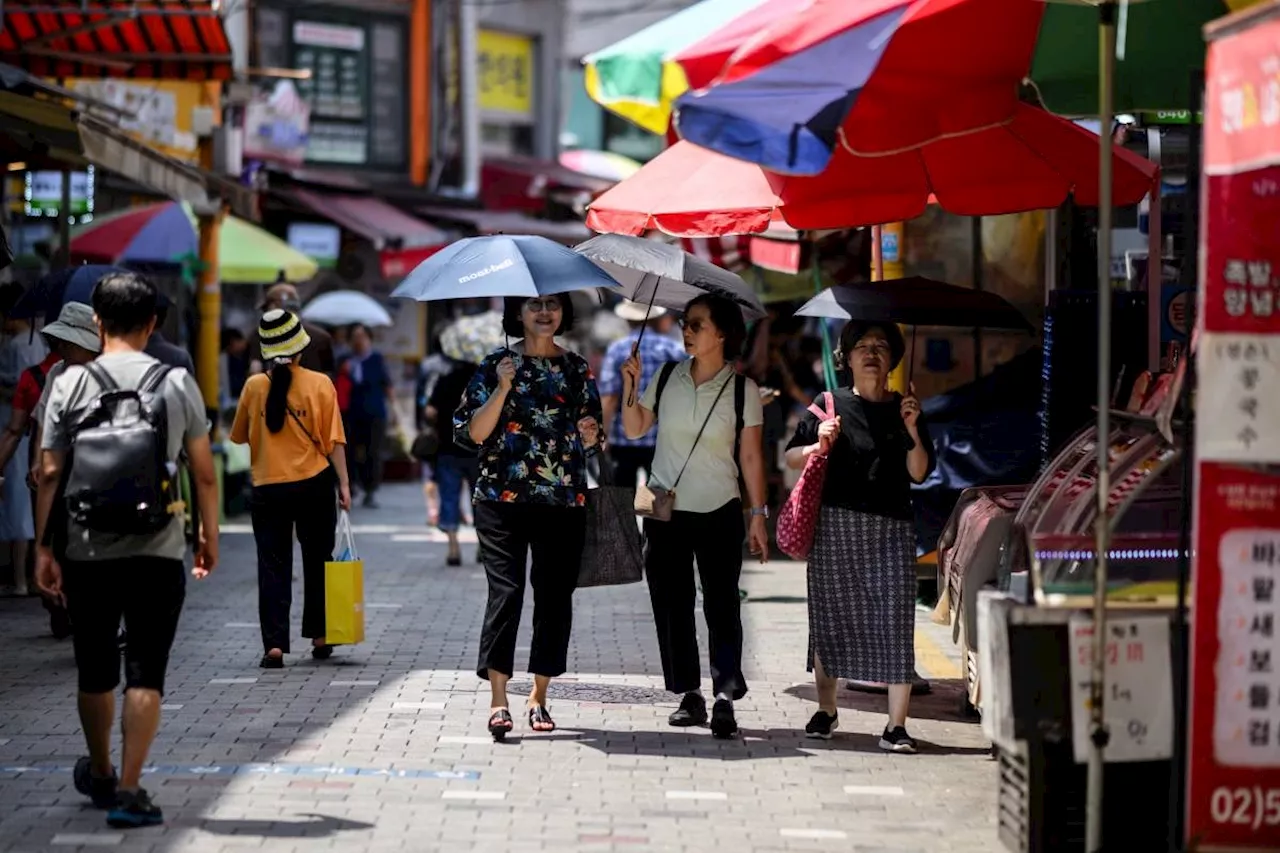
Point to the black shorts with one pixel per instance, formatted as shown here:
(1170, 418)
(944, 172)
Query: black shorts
(148, 593)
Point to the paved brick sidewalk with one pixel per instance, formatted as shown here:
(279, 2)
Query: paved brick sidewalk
(383, 748)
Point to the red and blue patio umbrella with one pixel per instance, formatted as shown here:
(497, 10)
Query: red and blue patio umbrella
(880, 76)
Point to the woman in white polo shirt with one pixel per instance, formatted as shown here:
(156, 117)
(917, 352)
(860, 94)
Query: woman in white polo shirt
(699, 401)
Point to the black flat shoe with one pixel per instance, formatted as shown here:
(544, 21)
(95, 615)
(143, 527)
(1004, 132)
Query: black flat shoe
(322, 652)
(692, 712)
(723, 724)
(540, 719)
(453, 562)
(270, 661)
(500, 723)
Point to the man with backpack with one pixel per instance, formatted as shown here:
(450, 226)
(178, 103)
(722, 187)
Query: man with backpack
(110, 531)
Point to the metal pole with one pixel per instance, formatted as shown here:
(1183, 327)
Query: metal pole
(469, 96)
(1097, 728)
(1182, 660)
(975, 247)
(64, 221)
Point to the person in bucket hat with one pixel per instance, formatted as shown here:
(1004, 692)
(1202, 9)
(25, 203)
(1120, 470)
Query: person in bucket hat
(289, 418)
(72, 338)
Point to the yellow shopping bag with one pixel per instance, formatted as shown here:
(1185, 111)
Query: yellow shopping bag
(344, 590)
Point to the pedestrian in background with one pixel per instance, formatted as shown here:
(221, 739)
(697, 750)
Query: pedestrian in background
(20, 349)
(372, 403)
(701, 455)
(861, 571)
(72, 338)
(455, 463)
(534, 413)
(648, 340)
(289, 418)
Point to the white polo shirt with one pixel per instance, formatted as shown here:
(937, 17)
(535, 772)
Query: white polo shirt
(711, 479)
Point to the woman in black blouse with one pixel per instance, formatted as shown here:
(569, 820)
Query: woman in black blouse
(534, 412)
(862, 580)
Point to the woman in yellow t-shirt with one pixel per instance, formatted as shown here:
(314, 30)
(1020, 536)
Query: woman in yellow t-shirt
(289, 418)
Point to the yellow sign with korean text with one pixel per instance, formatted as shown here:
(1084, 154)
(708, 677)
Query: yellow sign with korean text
(506, 73)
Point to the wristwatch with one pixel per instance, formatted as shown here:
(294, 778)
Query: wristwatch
(760, 511)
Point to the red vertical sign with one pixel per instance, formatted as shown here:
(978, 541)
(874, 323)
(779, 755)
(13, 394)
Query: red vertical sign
(1233, 800)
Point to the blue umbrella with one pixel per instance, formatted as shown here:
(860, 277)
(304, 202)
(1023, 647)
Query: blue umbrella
(72, 284)
(501, 265)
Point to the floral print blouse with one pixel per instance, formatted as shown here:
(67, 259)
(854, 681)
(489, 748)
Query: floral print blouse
(535, 454)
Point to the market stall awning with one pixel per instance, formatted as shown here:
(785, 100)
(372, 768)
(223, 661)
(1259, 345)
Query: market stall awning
(527, 184)
(487, 222)
(402, 241)
(37, 130)
(157, 39)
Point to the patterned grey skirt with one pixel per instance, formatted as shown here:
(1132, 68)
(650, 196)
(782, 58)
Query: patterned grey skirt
(862, 596)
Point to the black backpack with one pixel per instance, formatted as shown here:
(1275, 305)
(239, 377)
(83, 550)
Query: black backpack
(119, 478)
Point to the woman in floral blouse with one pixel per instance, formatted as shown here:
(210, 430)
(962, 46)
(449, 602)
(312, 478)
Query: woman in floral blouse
(533, 411)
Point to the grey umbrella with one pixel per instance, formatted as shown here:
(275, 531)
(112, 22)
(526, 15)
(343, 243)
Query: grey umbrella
(655, 273)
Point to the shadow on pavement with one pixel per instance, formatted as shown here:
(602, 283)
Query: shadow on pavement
(317, 826)
(944, 703)
(751, 745)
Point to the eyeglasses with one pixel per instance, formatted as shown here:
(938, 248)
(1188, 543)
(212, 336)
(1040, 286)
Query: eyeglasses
(537, 306)
(695, 326)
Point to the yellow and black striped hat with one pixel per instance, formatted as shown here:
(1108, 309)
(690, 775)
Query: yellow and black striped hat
(282, 335)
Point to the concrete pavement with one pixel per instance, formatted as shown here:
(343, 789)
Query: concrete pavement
(384, 747)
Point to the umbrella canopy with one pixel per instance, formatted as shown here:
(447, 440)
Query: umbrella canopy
(1032, 162)
(470, 339)
(502, 265)
(655, 273)
(887, 75)
(167, 232)
(346, 308)
(639, 77)
(916, 301)
(47, 296)
(605, 165)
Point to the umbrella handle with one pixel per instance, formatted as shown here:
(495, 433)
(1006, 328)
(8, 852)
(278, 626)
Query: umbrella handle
(631, 398)
(911, 364)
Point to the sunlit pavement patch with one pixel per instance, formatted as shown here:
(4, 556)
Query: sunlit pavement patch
(74, 839)
(258, 770)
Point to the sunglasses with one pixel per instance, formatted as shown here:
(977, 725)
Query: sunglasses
(537, 306)
(695, 326)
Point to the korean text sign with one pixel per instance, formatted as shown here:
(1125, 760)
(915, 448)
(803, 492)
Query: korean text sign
(1233, 800)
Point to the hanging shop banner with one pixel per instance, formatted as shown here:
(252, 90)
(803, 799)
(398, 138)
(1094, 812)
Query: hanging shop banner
(506, 73)
(275, 126)
(1233, 798)
(157, 112)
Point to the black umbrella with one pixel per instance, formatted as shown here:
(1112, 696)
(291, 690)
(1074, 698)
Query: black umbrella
(916, 301)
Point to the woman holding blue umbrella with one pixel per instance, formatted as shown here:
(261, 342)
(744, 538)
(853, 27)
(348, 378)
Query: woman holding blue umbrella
(534, 412)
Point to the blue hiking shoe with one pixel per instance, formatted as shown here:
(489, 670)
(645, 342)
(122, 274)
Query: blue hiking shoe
(133, 810)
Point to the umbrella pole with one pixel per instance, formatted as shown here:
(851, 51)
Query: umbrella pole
(828, 353)
(911, 359)
(1098, 735)
(631, 401)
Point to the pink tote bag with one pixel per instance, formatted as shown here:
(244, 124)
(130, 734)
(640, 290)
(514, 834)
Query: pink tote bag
(799, 516)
